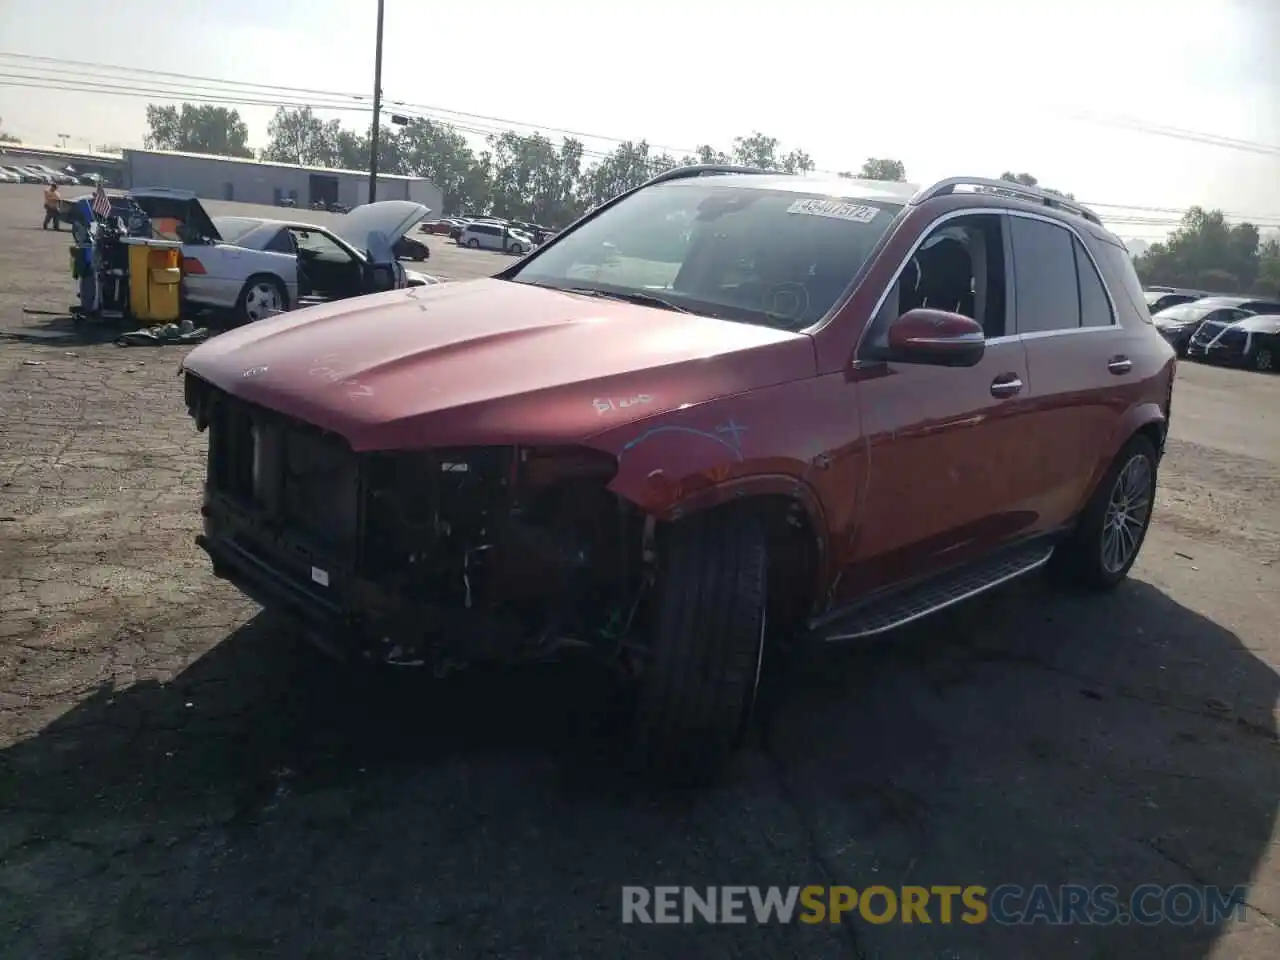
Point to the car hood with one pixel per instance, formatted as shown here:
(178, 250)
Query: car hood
(490, 362)
(1265, 324)
(373, 226)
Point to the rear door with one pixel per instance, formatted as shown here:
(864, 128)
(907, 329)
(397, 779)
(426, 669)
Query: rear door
(1076, 359)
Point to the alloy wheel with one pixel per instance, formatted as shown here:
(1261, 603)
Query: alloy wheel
(1128, 511)
(262, 301)
(1263, 359)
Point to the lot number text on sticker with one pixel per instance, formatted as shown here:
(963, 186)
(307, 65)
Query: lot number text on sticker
(835, 209)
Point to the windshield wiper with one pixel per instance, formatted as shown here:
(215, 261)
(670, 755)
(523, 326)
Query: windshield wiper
(642, 299)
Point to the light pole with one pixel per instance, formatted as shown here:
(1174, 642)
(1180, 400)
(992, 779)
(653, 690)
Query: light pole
(377, 110)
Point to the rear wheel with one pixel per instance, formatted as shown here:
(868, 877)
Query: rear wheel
(1114, 525)
(707, 640)
(1263, 359)
(261, 297)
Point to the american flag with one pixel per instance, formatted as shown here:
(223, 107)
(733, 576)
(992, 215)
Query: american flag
(101, 204)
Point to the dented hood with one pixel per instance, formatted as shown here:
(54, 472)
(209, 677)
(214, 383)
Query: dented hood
(490, 361)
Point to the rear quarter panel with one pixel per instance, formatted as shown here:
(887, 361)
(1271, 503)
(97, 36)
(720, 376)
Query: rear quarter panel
(227, 267)
(1143, 397)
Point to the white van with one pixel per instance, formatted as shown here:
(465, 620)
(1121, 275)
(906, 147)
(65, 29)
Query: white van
(491, 236)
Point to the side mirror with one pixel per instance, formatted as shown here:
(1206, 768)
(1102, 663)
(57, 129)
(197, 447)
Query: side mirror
(936, 337)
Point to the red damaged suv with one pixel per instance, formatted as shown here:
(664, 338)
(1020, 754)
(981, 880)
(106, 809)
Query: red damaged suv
(723, 410)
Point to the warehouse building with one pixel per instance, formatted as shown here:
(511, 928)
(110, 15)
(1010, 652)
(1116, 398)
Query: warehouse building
(260, 181)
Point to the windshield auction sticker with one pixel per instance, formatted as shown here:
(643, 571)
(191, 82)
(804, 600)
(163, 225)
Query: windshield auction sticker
(835, 209)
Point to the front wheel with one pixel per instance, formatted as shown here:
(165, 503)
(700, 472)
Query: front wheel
(1263, 359)
(473, 243)
(698, 682)
(1110, 532)
(516, 249)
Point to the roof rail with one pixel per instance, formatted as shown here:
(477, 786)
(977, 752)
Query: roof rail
(705, 170)
(1019, 191)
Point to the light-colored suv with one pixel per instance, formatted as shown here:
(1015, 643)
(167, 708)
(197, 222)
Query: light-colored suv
(493, 236)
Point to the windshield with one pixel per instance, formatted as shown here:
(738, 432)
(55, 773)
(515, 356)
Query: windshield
(744, 253)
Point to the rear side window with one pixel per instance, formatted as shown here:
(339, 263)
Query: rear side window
(1044, 269)
(1117, 266)
(1095, 308)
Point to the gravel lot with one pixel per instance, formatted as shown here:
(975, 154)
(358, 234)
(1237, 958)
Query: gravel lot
(180, 778)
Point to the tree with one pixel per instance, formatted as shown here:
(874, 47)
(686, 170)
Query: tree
(881, 168)
(198, 128)
(1206, 252)
(297, 135)
(1027, 180)
(442, 155)
(1268, 282)
(7, 137)
(761, 151)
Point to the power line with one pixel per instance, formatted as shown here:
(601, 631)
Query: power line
(265, 87)
(210, 90)
(1128, 123)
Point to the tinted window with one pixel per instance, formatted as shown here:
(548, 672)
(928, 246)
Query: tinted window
(1095, 308)
(720, 247)
(1044, 270)
(1117, 267)
(1261, 306)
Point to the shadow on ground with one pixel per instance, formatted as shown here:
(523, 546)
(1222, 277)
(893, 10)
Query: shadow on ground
(264, 804)
(46, 329)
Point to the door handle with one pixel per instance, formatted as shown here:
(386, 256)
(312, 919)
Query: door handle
(1120, 364)
(1006, 385)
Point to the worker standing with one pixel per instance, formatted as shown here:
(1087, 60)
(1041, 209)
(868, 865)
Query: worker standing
(51, 203)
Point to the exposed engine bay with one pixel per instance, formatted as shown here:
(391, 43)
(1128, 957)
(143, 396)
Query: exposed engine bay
(433, 558)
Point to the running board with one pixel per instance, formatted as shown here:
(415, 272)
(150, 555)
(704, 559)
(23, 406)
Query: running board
(903, 606)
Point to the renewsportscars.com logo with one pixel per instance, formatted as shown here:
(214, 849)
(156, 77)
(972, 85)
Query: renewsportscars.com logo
(1009, 904)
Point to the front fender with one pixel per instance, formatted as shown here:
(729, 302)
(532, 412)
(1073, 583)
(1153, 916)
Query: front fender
(703, 456)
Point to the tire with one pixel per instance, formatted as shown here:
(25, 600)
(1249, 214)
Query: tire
(1086, 558)
(699, 683)
(1263, 359)
(516, 249)
(261, 293)
(473, 243)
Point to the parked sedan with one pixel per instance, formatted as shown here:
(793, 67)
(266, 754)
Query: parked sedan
(408, 248)
(256, 267)
(1252, 342)
(1162, 299)
(1178, 324)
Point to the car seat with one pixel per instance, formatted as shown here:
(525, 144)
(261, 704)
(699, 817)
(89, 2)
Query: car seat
(946, 276)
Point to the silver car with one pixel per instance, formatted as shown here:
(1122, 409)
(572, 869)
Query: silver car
(257, 267)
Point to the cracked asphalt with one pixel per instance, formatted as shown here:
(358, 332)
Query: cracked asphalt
(179, 777)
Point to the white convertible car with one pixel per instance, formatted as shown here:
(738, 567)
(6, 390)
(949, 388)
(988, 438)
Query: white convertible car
(256, 267)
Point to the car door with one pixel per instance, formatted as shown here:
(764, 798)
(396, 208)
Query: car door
(329, 269)
(947, 453)
(1077, 361)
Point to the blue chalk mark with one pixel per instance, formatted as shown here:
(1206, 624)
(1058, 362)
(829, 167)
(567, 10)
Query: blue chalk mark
(733, 431)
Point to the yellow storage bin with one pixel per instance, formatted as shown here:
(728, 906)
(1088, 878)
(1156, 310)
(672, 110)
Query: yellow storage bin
(155, 280)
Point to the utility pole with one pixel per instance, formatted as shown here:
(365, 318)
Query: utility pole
(377, 110)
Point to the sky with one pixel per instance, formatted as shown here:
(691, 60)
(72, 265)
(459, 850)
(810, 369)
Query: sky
(975, 87)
